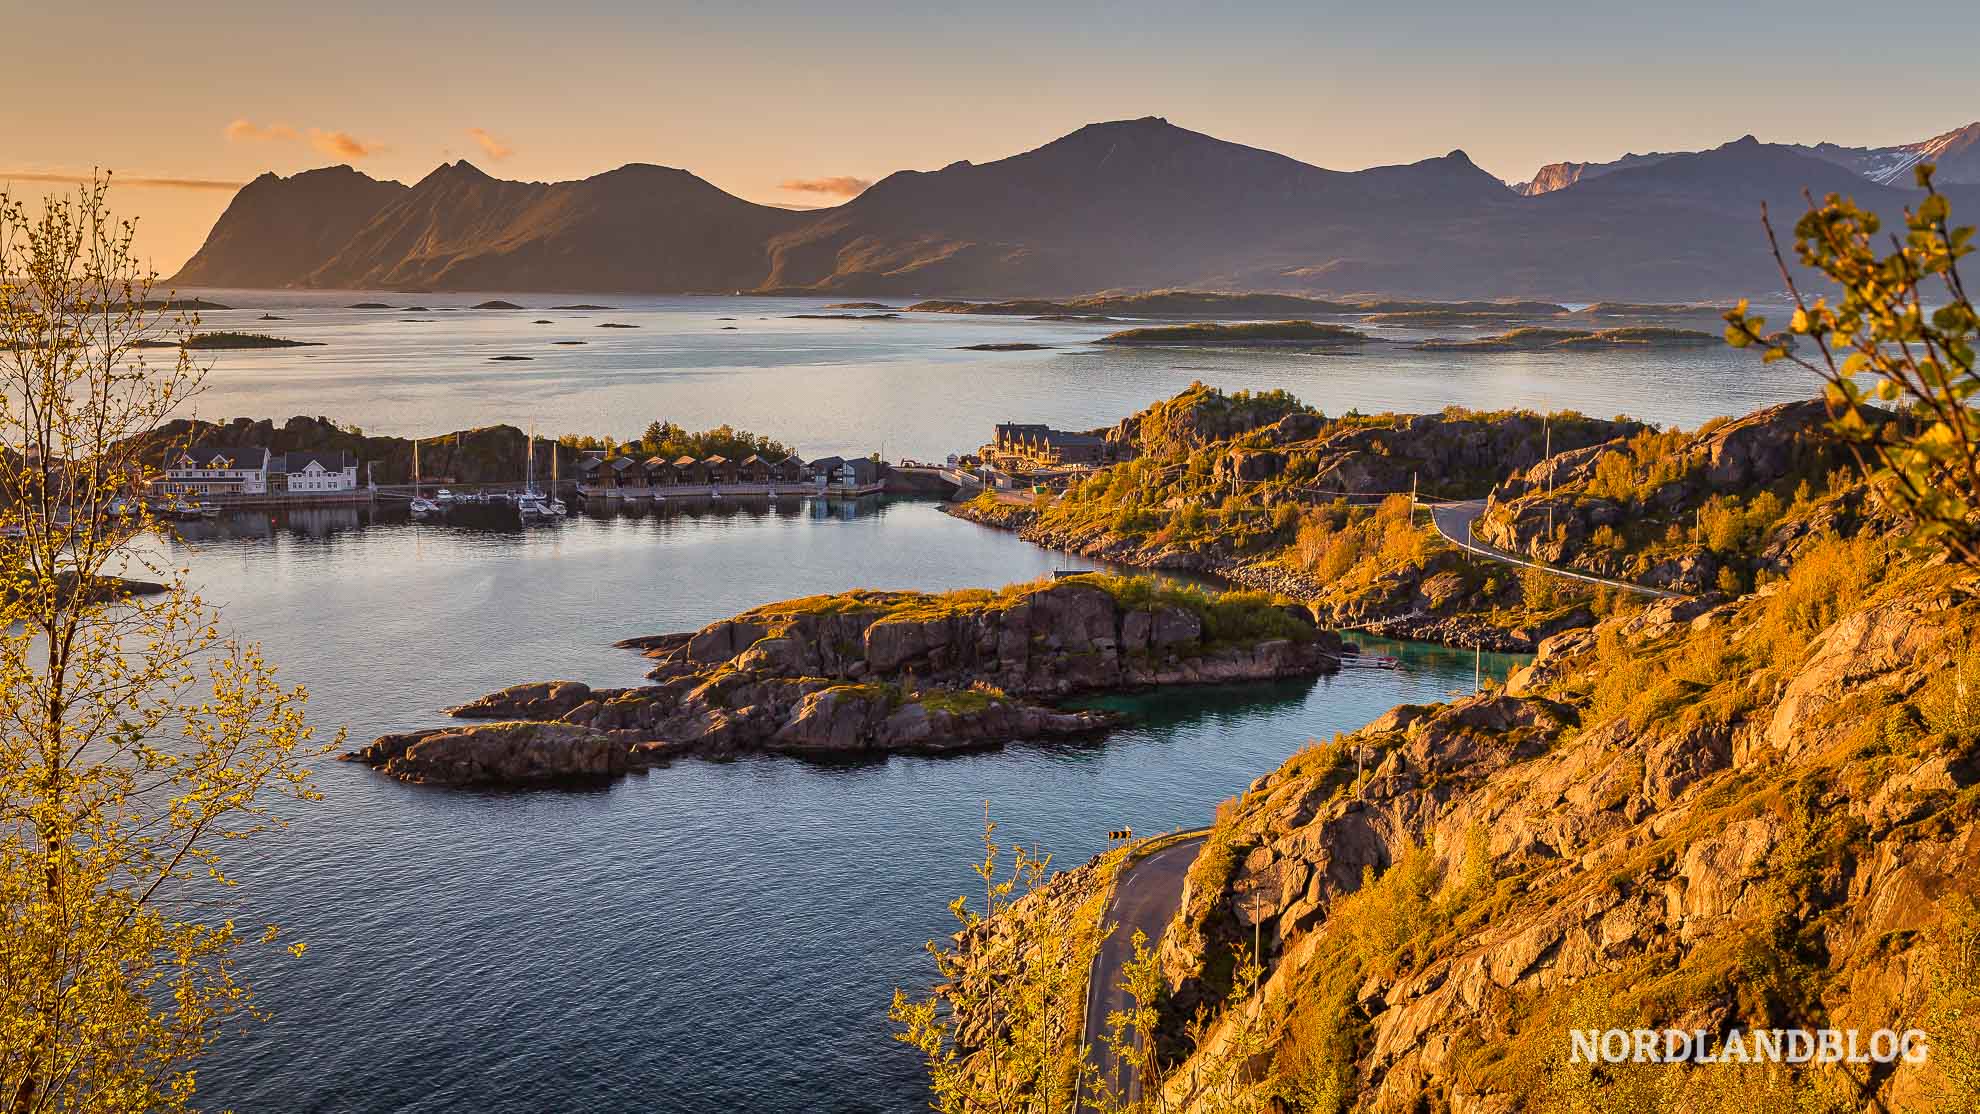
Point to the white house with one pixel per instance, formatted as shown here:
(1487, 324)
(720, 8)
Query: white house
(216, 470)
(316, 473)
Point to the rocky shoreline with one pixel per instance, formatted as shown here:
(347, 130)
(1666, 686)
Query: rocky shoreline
(867, 674)
(1464, 631)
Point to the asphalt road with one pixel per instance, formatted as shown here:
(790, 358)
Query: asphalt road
(1146, 897)
(1454, 521)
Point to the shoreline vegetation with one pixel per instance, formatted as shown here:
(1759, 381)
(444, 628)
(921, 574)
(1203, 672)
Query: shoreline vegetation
(871, 673)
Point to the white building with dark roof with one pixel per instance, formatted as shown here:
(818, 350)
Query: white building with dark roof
(217, 470)
(317, 473)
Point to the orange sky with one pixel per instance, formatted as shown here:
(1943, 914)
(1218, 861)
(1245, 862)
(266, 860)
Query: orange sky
(793, 103)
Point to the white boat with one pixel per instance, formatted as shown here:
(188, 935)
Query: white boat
(531, 504)
(444, 497)
(420, 506)
(551, 503)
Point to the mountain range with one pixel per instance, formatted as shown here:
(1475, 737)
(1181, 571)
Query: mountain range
(1956, 154)
(1125, 205)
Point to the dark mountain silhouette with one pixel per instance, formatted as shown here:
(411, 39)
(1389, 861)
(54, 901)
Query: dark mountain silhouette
(1127, 205)
(639, 227)
(278, 231)
(1956, 153)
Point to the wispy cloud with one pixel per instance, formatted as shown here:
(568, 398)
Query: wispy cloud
(71, 179)
(336, 144)
(342, 145)
(247, 131)
(495, 148)
(841, 186)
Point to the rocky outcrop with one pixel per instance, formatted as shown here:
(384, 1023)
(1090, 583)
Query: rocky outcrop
(1280, 453)
(1616, 819)
(870, 673)
(514, 753)
(1631, 511)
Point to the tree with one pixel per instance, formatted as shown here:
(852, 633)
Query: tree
(1926, 461)
(135, 741)
(1003, 1032)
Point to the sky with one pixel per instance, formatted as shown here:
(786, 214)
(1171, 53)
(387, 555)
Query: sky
(800, 103)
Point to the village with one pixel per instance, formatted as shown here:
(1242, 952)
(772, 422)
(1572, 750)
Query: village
(200, 479)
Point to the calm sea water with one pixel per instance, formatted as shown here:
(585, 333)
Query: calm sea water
(904, 386)
(710, 936)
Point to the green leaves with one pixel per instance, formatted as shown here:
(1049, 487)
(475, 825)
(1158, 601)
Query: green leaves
(1913, 424)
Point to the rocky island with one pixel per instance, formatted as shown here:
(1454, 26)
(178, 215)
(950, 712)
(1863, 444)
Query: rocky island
(868, 673)
(212, 341)
(1538, 337)
(1259, 334)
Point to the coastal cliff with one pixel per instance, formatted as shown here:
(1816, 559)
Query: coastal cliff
(871, 673)
(1717, 815)
(1744, 815)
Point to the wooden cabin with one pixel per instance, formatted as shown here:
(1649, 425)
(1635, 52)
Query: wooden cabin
(688, 470)
(619, 471)
(789, 470)
(721, 470)
(661, 473)
(753, 470)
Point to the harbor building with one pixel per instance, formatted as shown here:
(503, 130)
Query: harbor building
(216, 470)
(314, 473)
(1042, 446)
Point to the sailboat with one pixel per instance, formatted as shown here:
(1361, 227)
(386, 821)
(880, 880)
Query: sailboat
(421, 506)
(552, 502)
(531, 504)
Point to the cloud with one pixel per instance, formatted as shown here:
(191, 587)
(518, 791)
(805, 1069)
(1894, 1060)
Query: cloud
(72, 179)
(842, 186)
(336, 144)
(495, 148)
(342, 145)
(247, 131)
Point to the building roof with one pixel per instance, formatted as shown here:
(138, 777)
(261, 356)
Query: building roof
(685, 461)
(718, 458)
(754, 459)
(828, 462)
(248, 457)
(655, 461)
(1060, 437)
(329, 462)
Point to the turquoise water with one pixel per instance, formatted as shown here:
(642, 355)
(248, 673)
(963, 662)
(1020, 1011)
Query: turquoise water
(709, 936)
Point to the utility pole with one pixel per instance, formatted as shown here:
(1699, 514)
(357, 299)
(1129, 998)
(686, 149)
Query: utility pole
(1547, 454)
(1477, 668)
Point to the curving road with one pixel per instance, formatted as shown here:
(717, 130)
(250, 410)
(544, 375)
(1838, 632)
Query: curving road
(1454, 522)
(1146, 896)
